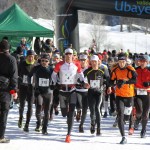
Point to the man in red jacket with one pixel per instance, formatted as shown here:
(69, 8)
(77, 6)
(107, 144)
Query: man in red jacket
(143, 93)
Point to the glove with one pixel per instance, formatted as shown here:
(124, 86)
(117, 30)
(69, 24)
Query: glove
(146, 84)
(120, 83)
(80, 84)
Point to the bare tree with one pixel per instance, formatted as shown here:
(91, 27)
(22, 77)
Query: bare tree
(147, 24)
(35, 8)
(3, 5)
(98, 32)
(126, 21)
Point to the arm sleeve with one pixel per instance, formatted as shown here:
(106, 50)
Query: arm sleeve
(112, 79)
(132, 80)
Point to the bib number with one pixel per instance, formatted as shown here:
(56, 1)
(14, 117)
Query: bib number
(68, 78)
(127, 110)
(25, 79)
(43, 82)
(95, 83)
(141, 92)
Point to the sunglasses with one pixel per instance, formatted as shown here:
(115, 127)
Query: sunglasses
(143, 61)
(44, 60)
(68, 54)
(82, 59)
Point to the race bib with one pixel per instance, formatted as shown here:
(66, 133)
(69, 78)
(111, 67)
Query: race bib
(141, 92)
(95, 83)
(68, 78)
(25, 77)
(127, 110)
(43, 82)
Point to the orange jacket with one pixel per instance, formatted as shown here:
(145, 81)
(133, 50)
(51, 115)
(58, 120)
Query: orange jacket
(127, 90)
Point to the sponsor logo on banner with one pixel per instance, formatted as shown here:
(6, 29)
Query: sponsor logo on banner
(140, 7)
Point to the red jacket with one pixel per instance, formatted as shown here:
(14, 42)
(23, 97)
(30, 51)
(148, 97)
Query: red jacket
(143, 76)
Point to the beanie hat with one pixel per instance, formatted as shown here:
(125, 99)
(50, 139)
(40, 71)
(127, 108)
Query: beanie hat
(45, 56)
(144, 57)
(122, 56)
(57, 51)
(30, 52)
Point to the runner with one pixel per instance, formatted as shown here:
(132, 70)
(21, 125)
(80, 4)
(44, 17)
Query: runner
(95, 77)
(143, 94)
(124, 76)
(68, 71)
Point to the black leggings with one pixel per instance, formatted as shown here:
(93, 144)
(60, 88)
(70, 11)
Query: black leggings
(94, 100)
(67, 104)
(43, 101)
(142, 108)
(83, 102)
(26, 94)
(121, 103)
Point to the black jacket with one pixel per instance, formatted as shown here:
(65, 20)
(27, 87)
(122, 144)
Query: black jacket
(23, 70)
(8, 69)
(43, 73)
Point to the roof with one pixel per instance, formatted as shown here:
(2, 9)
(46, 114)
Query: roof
(15, 22)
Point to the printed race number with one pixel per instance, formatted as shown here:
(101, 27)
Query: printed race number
(43, 82)
(141, 92)
(95, 83)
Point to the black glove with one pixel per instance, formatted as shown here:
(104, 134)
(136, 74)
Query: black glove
(146, 84)
(120, 83)
(80, 84)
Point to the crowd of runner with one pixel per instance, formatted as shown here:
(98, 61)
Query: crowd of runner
(117, 81)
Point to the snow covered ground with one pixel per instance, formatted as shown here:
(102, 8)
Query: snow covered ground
(57, 129)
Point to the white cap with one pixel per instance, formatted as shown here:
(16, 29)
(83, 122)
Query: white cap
(94, 57)
(82, 56)
(68, 50)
